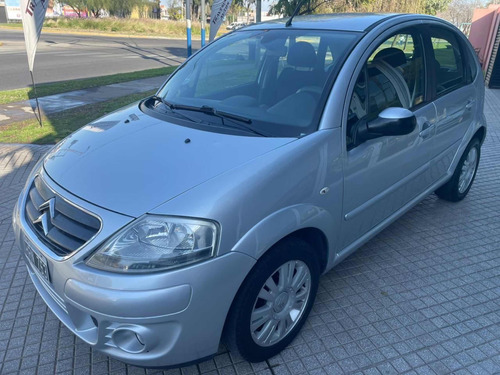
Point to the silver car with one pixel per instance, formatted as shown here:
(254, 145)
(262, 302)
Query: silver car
(210, 210)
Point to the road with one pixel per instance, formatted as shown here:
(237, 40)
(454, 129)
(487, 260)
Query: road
(64, 57)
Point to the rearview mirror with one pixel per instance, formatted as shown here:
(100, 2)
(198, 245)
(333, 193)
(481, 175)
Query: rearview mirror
(391, 121)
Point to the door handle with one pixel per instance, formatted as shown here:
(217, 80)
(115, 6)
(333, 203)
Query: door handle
(470, 104)
(427, 130)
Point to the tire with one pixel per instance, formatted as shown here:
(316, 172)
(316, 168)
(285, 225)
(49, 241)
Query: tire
(282, 306)
(460, 183)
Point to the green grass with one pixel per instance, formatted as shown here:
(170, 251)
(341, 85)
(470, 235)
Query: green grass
(140, 27)
(444, 54)
(13, 25)
(60, 125)
(17, 95)
(150, 27)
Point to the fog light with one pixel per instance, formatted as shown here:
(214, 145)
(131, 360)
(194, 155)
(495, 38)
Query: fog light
(128, 340)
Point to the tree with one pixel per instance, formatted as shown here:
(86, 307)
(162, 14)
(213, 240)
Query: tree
(196, 7)
(77, 5)
(174, 10)
(287, 7)
(245, 4)
(233, 12)
(95, 6)
(459, 12)
(123, 8)
(434, 6)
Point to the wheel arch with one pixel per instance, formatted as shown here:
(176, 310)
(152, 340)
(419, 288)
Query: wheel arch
(306, 222)
(312, 224)
(480, 134)
(312, 236)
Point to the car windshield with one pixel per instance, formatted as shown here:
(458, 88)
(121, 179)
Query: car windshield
(277, 81)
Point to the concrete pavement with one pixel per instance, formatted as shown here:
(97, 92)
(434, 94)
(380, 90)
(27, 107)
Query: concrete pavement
(423, 297)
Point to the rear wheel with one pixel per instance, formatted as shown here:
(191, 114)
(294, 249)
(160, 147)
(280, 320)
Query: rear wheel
(460, 183)
(274, 301)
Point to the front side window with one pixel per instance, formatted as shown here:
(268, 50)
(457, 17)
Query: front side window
(448, 61)
(393, 76)
(276, 80)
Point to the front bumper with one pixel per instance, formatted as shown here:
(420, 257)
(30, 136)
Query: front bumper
(154, 320)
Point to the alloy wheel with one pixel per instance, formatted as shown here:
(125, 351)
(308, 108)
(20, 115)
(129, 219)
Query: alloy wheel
(280, 303)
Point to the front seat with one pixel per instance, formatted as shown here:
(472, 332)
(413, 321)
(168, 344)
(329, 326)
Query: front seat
(390, 62)
(300, 72)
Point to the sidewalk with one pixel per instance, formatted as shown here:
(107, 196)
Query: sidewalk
(422, 297)
(21, 111)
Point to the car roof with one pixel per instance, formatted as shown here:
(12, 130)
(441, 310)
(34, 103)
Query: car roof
(338, 21)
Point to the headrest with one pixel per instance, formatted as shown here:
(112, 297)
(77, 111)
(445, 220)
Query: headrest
(302, 54)
(393, 56)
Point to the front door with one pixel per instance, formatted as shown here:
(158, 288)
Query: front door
(381, 175)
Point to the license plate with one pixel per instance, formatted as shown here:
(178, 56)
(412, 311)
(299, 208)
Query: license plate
(38, 261)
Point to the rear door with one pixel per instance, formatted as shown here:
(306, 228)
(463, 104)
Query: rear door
(455, 95)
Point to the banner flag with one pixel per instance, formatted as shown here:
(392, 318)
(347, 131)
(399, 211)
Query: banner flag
(219, 10)
(33, 14)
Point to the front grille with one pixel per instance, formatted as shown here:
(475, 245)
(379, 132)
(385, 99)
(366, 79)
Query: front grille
(62, 227)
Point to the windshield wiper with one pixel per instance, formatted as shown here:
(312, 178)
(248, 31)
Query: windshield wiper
(172, 108)
(223, 115)
(162, 100)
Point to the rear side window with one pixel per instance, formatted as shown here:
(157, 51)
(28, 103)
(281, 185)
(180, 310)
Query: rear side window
(448, 61)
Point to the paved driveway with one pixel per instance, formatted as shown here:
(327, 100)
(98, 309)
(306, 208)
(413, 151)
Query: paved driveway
(423, 297)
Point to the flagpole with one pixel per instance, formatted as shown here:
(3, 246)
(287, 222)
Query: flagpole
(188, 27)
(203, 19)
(36, 98)
(32, 15)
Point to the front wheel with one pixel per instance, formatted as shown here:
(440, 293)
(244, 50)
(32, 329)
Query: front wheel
(274, 301)
(460, 183)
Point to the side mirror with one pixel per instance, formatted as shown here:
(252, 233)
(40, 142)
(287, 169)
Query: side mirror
(391, 121)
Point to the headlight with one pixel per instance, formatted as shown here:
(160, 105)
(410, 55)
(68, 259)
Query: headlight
(154, 243)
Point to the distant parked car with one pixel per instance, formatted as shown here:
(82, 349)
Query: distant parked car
(235, 25)
(212, 208)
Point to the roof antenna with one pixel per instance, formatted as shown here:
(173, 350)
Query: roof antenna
(289, 22)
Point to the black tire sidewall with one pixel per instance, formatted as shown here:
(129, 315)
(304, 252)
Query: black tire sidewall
(474, 143)
(450, 191)
(240, 315)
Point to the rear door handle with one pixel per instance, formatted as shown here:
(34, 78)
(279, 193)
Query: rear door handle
(470, 104)
(427, 130)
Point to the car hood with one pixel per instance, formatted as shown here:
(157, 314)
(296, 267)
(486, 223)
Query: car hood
(130, 163)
